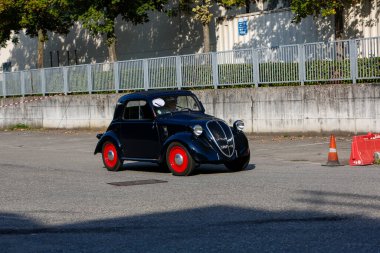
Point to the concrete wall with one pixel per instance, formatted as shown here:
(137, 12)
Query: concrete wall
(327, 108)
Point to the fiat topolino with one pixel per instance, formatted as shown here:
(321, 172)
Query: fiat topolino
(171, 128)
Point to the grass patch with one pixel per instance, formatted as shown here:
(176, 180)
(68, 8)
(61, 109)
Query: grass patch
(19, 126)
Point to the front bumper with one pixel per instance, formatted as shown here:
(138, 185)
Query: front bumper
(204, 152)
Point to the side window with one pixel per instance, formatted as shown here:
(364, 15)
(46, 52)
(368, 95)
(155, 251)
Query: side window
(187, 102)
(138, 109)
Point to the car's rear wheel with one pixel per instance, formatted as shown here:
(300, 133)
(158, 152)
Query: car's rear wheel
(179, 160)
(238, 164)
(110, 157)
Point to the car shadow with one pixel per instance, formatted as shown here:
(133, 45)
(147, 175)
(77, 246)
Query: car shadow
(211, 228)
(218, 169)
(144, 167)
(203, 169)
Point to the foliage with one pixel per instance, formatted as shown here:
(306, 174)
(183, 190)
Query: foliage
(99, 16)
(34, 16)
(202, 8)
(46, 15)
(304, 8)
(9, 20)
(202, 11)
(37, 18)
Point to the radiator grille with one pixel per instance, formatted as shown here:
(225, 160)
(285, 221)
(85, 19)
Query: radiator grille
(222, 136)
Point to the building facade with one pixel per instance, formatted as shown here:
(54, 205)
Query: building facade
(268, 25)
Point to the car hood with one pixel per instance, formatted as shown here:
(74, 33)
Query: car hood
(185, 118)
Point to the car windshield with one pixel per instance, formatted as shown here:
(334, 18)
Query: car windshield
(170, 104)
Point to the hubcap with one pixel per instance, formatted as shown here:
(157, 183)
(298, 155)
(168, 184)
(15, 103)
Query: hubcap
(178, 159)
(111, 155)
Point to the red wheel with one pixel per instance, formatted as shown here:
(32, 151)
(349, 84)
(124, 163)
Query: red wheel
(179, 160)
(110, 157)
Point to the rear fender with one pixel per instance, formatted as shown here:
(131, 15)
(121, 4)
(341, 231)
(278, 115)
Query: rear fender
(108, 136)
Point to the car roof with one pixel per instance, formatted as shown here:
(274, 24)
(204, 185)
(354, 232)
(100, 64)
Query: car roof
(150, 94)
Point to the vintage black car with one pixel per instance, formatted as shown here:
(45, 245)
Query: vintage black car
(171, 128)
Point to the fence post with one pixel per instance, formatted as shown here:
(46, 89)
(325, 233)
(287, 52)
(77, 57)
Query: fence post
(215, 76)
(65, 81)
(22, 77)
(89, 78)
(353, 60)
(255, 67)
(4, 86)
(116, 76)
(178, 68)
(301, 63)
(43, 81)
(146, 74)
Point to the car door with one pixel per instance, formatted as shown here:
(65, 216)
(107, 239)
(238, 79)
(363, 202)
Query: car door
(138, 132)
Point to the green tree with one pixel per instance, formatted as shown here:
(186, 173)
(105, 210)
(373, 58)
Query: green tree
(304, 8)
(42, 16)
(99, 17)
(37, 17)
(239, 3)
(203, 14)
(9, 20)
(202, 11)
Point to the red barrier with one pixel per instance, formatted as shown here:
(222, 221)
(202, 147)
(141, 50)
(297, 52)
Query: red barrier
(363, 148)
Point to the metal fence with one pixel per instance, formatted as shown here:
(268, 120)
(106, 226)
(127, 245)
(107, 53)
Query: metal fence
(347, 60)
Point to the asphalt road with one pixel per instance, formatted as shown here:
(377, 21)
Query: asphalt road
(55, 196)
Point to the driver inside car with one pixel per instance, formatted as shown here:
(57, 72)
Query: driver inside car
(171, 104)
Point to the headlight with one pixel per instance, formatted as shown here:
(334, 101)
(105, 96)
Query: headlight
(239, 125)
(197, 130)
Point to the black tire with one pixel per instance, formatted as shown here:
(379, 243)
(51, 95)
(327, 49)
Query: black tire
(179, 160)
(163, 166)
(110, 156)
(238, 164)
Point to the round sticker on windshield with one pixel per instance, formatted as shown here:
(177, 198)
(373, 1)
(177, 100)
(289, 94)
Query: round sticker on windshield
(158, 102)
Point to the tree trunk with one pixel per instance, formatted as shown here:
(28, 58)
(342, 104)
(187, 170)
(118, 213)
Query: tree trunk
(247, 6)
(112, 50)
(339, 24)
(339, 46)
(206, 38)
(40, 54)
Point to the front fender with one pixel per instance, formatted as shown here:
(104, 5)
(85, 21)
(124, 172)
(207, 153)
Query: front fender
(198, 148)
(108, 136)
(241, 143)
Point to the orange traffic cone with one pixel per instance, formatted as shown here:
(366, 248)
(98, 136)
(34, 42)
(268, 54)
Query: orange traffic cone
(332, 159)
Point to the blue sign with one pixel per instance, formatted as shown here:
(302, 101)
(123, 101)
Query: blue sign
(243, 26)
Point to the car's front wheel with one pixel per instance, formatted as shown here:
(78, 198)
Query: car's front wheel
(238, 164)
(179, 160)
(110, 157)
